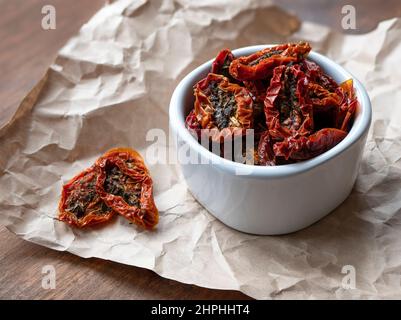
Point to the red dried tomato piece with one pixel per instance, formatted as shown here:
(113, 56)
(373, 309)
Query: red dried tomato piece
(349, 114)
(260, 65)
(287, 112)
(125, 185)
(258, 89)
(322, 98)
(333, 105)
(193, 125)
(315, 74)
(224, 107)
(80, 205)
(222, 63)
(347, 106)
(303, 148)
(325, 106)
(266, 155)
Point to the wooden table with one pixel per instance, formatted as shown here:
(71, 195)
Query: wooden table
(26, 50)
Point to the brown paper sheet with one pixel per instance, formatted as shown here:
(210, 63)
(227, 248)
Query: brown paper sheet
(112, 83)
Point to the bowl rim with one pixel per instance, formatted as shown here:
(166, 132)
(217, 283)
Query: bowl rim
(358, 130)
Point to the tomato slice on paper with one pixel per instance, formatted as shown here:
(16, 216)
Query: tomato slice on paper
(125, 185)
(80, 205)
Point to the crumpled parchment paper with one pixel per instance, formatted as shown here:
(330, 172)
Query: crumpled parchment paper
(112, 83)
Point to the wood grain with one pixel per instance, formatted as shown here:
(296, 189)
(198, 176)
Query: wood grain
(26, 50)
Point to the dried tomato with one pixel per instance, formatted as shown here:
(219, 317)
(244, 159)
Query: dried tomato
(266, 156)
(225, 107)
(348, 105)
(287, 111)
(322, 98)
(315, 74)
(325, 106)
(80, 205)
(222, 63)
(333, 105)
(125, 185)
(260, 65)
(303, 148)
(257, 89)
(193, 125)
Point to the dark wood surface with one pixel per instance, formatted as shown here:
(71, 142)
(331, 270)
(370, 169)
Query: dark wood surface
(26, 50)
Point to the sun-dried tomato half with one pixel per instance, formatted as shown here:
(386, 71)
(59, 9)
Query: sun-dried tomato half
(322, 98)
(258, 89)
(286, 110)
(80, 205)
(260, 65)
(315, 74)
(225, 107)
(222, 63)
(303, 148)
(266, 155)
(193, 125)
(348, 105)
(125, 185)
(333, 105)
(325, 106)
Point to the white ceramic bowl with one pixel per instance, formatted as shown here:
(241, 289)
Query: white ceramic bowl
(271, 200)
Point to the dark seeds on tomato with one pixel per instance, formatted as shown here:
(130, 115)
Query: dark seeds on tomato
(82, 194)
(224, 106)
(265, 56)
(119, 184)
(290, 113)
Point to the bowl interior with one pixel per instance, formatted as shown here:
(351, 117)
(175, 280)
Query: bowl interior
(183, 99)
